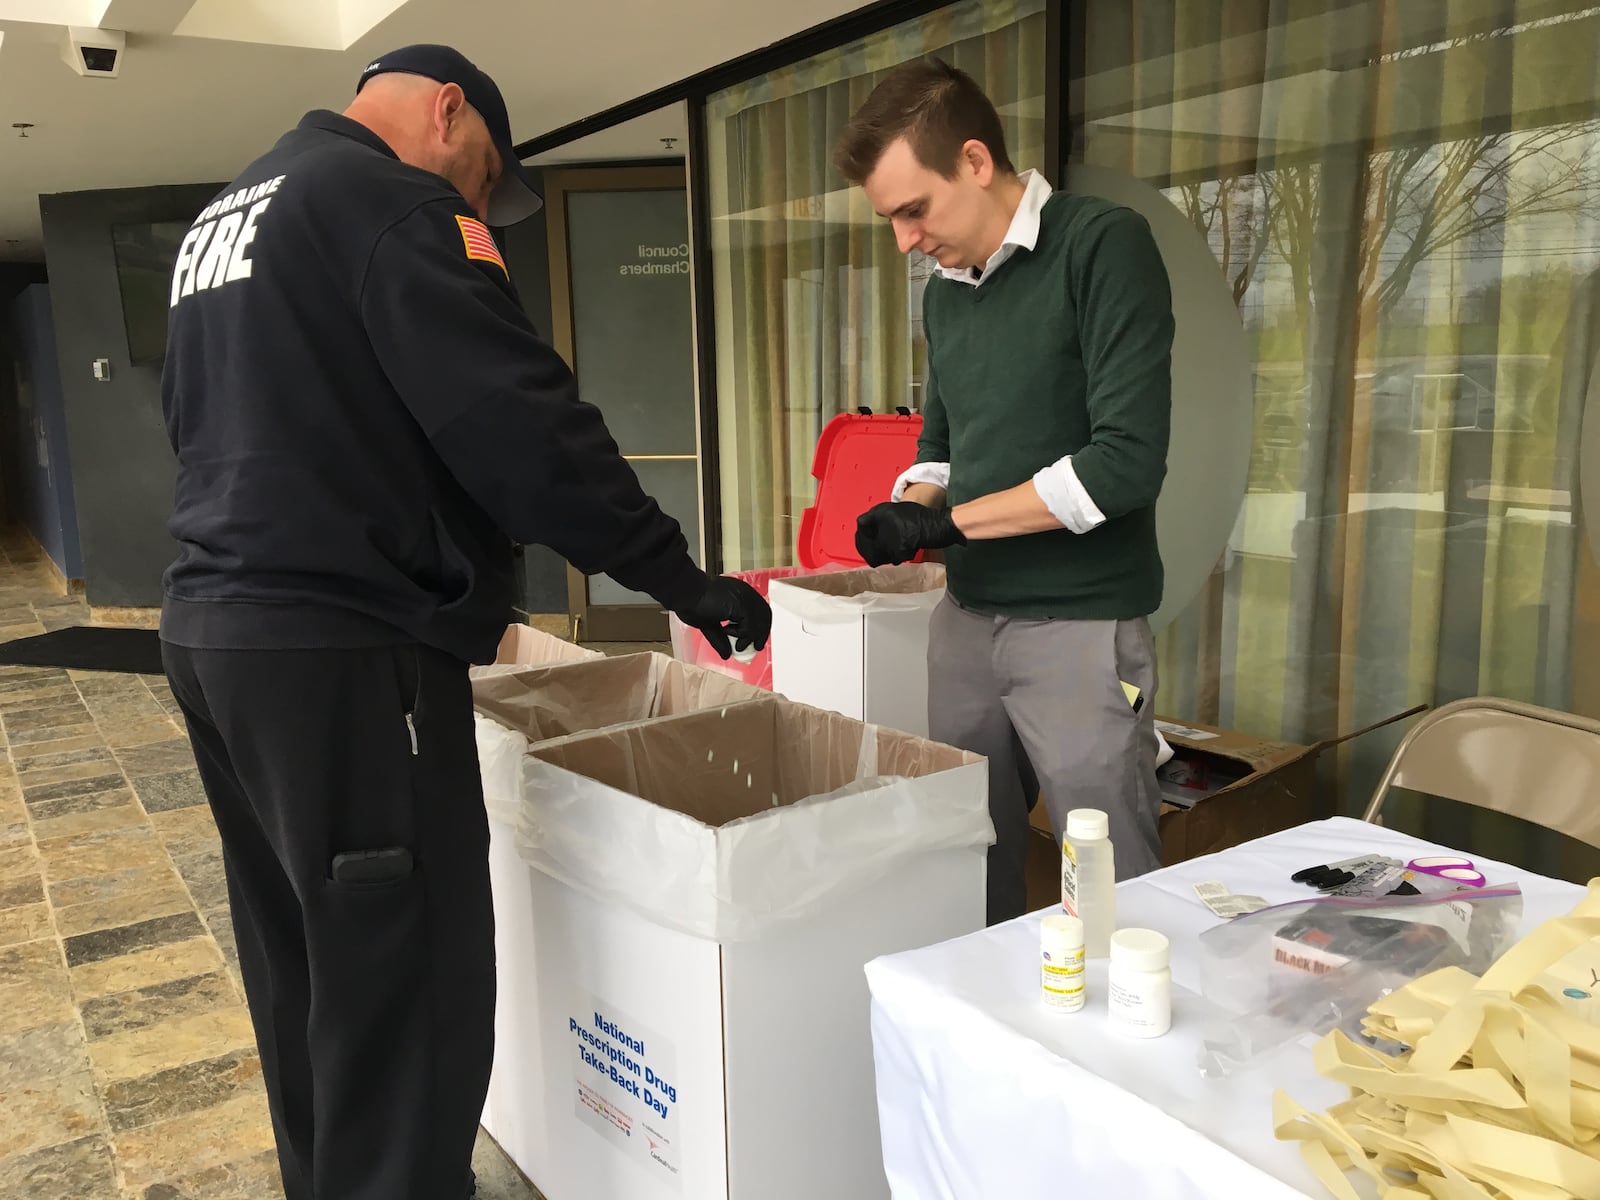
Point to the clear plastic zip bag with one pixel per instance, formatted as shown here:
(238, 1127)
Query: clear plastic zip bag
(1304, 969)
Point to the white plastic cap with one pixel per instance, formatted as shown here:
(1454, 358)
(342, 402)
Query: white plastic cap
(1087, 825)
(1140, 950)
(1061, 933)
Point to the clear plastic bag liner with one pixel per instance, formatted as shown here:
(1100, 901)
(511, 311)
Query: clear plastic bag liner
(846, 595)
(500, 755)
(727, 822)
(1310, 967)
(524, 646)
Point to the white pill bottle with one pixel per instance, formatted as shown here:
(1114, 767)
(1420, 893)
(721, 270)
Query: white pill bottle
(1140, 984)
(1061, 962)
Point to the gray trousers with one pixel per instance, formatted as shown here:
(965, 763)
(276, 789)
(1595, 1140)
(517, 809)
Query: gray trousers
(1043, 701)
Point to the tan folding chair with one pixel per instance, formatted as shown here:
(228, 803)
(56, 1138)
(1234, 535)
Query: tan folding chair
(1535, 763)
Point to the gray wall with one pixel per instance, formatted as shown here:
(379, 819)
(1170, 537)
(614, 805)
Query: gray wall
(527, 249)
(123, 468)
(14, 276)
(37, 466)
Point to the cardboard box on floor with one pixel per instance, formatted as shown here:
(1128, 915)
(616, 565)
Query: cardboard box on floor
(1258, 787)
(856, 642)
(521, 705)
(706, 891)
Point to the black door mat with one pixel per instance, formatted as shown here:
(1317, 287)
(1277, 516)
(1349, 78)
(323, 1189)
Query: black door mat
(88, 648)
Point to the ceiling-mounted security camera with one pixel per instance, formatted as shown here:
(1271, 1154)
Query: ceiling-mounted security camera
(96, 53)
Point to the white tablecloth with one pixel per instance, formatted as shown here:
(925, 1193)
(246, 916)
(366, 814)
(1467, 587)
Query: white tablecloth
(984, 1094)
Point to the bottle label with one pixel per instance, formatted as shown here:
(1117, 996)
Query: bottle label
(1139, 1005)
(1069, 880)
(1062, 978)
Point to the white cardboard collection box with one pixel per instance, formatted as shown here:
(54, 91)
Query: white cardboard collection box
(856, 642)
(519, 705)
(521, 647)
(704, 893)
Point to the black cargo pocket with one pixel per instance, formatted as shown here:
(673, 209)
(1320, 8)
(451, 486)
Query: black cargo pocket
(373, 939)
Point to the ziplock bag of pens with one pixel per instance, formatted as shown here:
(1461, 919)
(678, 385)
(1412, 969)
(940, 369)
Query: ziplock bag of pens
(1282, 973)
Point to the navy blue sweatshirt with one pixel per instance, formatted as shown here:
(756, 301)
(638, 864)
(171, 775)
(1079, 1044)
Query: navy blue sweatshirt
(366, 422)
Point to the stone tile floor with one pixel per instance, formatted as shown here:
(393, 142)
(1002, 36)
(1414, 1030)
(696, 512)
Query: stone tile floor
(128, 1070)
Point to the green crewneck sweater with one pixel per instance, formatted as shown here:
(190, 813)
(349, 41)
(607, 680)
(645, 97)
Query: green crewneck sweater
(1065, 349)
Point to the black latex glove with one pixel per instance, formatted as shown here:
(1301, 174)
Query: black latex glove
(729, 609)
(894, 532)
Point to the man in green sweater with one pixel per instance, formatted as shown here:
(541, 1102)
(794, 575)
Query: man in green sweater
(1044, 446)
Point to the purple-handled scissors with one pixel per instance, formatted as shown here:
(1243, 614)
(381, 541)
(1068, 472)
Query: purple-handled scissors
(1446, 866)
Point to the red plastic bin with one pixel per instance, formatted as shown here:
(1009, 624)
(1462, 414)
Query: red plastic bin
(857, 460)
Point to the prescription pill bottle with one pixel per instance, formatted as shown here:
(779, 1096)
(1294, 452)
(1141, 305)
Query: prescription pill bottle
(1140, 988)
(1061, 962)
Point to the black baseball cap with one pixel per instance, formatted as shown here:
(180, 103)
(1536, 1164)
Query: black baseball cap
(514, 198)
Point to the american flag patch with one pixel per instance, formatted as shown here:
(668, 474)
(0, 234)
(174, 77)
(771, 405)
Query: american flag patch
(479, 242)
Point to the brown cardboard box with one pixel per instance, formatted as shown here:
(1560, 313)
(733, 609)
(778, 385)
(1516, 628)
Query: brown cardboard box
(559, 699)
(523, 645)
(1275, 789)
(1042, 868)
(518, 705)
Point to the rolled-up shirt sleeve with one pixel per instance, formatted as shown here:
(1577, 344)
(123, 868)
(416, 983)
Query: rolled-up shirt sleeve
(936, 473)
(1065, 496)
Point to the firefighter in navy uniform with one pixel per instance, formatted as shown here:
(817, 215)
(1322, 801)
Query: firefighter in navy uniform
(365, 423)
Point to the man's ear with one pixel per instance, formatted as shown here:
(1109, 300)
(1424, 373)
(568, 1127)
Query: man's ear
(448, 108)
(976, 159)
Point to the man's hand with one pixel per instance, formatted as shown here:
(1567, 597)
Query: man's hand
(727, 609)
(894, 532)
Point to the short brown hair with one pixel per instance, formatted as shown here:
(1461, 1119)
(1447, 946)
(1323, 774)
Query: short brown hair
(934, 106)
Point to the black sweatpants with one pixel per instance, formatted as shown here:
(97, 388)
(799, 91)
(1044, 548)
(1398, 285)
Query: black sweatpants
(373, 1002)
